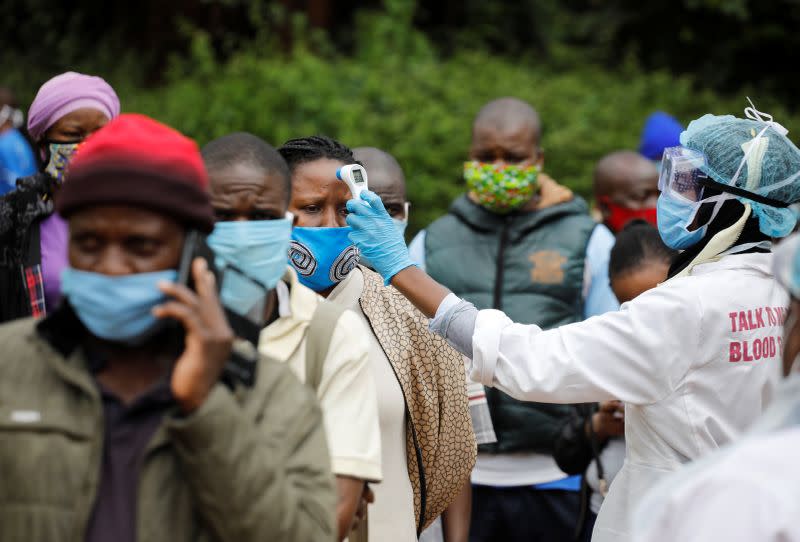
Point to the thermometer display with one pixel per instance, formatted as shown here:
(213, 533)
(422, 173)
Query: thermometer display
(355, 177)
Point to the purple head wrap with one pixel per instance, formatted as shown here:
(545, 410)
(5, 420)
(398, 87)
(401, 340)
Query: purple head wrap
(64, 94)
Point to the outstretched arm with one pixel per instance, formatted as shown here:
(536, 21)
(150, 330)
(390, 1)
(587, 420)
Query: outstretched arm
(624, 355)
(376, 237)
(418, 287)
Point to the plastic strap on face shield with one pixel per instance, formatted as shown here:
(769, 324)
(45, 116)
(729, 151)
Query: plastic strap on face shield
(753, 191)
(682, 176)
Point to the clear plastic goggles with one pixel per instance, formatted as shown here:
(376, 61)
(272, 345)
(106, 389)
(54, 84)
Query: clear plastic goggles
(681, 174)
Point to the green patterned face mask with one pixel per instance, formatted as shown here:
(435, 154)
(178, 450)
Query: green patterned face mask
(501, 189)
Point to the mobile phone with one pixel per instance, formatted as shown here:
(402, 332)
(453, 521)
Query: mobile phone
(195, 246)
(246, 323)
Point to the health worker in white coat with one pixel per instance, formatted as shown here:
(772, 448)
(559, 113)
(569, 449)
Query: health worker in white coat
(749, 490)
(696, 359)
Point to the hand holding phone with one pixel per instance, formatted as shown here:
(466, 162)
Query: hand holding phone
(208, 340)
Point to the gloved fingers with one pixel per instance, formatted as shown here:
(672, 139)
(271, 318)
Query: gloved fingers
(355, 207)
(374, 200)
(354, 221)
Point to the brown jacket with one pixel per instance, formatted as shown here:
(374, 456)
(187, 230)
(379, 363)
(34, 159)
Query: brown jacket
(440, 442)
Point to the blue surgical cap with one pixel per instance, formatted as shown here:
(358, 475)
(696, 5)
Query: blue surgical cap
(772, 168)
(660, 131)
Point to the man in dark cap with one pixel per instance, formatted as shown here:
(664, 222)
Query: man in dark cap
(116, 423)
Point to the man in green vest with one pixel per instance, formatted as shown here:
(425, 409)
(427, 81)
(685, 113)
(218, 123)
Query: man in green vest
(519, 242)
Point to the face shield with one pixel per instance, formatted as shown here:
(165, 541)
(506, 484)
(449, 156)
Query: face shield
(682, 176)
(683, 183)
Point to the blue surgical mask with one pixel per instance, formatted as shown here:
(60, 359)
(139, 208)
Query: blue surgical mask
(116, 307)
(322, 257)
(673, 218)
(258, 248)
(401, 228)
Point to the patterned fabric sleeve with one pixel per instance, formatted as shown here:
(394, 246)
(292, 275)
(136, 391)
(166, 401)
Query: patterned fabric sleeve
(35, 286)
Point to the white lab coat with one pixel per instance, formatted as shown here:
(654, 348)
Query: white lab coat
(667, 355)
(749, 490)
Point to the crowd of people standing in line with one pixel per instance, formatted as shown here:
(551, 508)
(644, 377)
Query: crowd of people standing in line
(225, 344)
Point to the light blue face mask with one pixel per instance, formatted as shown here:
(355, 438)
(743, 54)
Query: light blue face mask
(673, 218)
(116, 308)
(322, 257)
(401, 226)
(258, 248)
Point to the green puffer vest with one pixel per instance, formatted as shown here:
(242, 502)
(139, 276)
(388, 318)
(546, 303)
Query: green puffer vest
(529, 265)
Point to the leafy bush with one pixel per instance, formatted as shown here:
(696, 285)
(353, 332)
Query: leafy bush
(398, 94)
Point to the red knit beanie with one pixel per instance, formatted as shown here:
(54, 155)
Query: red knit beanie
(134, 160)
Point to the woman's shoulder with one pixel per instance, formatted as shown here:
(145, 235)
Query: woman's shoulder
(386, 300)
(399, 325)
(38, 182)
(28, 189)
(26, 203)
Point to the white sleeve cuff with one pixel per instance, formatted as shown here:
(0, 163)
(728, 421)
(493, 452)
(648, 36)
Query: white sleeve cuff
(486, 345)
(447, 303)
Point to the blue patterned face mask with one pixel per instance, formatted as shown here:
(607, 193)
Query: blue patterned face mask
(322, 257)
(258, 248)
(60, 155)
(116, 307)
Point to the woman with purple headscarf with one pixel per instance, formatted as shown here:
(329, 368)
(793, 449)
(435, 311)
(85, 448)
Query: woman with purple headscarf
(33, 239)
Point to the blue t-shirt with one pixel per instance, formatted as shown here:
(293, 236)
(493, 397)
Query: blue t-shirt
(16, 159)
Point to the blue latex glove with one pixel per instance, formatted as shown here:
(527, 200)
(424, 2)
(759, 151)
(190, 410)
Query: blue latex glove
(376, 236)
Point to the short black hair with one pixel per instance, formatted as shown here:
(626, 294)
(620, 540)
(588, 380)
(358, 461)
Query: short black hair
(638, 243)
(509, 111)
(307, 149)
(245, 148)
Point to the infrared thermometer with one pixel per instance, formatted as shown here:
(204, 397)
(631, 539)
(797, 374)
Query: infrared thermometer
(355, 177)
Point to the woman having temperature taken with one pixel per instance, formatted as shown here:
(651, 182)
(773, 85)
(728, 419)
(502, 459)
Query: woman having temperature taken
(695, 359)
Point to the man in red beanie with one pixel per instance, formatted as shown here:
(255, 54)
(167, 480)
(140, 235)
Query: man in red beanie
(114, 424)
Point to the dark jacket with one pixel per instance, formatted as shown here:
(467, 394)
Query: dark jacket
(21, 213)
(531, 266)
(574, 451)
(249, 464)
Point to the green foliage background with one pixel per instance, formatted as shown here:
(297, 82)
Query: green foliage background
(395, 89)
